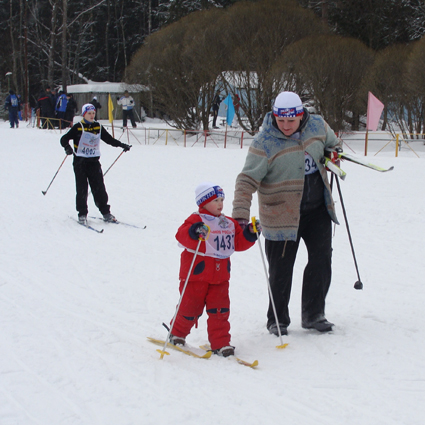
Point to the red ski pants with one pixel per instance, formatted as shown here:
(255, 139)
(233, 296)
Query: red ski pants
(215, 297)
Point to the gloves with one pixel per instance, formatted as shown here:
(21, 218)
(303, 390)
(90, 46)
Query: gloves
(333, 155)
(199, 230)
(125, 147)
(68, 150)
(242, 222)
(257, 226)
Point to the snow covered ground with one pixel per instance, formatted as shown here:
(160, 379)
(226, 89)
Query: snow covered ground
(76, 306)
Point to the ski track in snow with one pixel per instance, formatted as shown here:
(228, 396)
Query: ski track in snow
(76, 306)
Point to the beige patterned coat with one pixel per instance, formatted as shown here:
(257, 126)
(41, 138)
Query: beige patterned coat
(274, 168)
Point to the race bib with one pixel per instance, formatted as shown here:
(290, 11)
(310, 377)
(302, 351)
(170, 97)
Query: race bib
(221, 242)
(310, 165)
(89, 145)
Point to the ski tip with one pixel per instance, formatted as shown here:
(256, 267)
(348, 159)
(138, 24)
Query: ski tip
(252, 365)
(207, 355)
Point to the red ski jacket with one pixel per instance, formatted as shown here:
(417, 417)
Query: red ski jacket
(207, 268)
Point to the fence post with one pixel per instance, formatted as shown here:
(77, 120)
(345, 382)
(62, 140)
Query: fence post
(396, 145)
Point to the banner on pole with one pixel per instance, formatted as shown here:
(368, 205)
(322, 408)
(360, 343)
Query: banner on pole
(374, 111)
(230, 109)
(110, 109)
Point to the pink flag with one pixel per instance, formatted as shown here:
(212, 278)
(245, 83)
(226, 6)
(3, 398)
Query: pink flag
(374, 111)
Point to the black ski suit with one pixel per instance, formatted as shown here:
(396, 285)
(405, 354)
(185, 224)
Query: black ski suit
(88, 170)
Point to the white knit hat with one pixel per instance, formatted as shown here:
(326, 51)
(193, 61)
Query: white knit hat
(207, 192)
(288, 104)
(87, 107)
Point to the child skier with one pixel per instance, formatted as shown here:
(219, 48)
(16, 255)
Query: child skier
(208, 284)
(86, 136)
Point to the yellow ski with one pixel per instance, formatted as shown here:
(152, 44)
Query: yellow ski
(252, 365)
(186, 349)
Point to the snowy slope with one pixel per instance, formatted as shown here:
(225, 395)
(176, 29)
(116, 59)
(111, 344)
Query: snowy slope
(76, 307)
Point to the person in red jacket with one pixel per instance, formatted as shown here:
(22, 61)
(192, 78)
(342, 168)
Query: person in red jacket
(208, 284)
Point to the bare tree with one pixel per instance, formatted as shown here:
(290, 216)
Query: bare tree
(64, 44)
(332, 69)
(51, 47)
(386, 80)
(181, 65)
(257, 35)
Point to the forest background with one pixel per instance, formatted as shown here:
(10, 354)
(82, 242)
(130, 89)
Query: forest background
(331, 52)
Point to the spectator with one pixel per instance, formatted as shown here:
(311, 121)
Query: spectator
(61, 105)
(46, 106)
(215, 108)
(236, 103)
(20, 107)
(127, 103)
(97, 105)
(71, 109)
(13, 105)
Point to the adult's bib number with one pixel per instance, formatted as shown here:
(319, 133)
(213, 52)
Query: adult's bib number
(310, 166)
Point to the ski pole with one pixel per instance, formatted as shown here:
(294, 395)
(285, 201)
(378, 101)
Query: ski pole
(358, 284)
(162, 352)
(282, 345)
(118, 157)
(45, 191)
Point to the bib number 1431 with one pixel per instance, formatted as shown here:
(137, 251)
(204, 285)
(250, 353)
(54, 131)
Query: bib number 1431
(224, 242)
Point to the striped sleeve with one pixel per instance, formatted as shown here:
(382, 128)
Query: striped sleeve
(248, 181)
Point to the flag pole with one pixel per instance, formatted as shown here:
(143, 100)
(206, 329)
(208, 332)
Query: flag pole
(110, 115)
(365, 142)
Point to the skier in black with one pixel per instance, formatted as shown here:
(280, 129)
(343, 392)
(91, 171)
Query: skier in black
(86, 135)
(215, 108)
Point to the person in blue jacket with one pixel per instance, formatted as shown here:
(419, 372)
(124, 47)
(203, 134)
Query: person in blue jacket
(61, 104)
(13, 105)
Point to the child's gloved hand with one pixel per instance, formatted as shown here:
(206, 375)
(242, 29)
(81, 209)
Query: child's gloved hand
(258, 227)
(199, 231)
